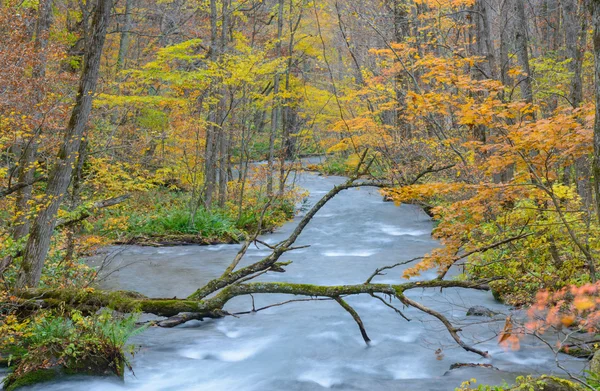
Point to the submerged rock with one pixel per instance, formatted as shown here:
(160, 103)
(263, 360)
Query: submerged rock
(479, 310)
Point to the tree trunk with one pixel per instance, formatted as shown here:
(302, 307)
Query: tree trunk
(125, 31)
(505, 27)
(42, 228)
(575, 26)
(75, 199)
(401, 32)
(210, 157)
(288, 113)
(276, 103)
(595, 5)
(223, 142)
(522, 46)
(485, 44)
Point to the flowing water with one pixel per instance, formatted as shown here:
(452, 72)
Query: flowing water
(314, 345)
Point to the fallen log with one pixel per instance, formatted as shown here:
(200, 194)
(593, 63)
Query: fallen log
(179, 311)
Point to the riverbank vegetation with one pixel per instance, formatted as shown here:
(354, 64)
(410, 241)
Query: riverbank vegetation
(158, 123)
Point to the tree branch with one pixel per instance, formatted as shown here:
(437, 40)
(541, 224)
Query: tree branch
(9, 190)
(453, 331)
(356, 318)
(86, 212)
(229, 278)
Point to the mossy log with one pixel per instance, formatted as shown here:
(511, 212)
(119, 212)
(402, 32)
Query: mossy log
(126, 301)
(182, 310)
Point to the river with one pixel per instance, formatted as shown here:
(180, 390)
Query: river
(314, 345)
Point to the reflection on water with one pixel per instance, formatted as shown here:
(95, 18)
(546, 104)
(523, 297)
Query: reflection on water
(313, 345)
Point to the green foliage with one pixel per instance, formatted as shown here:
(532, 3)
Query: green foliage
(279, 212)
(161, 213)
(152, 119)
(593, 379)
(549, 261)
(179, 220)
(551, 75)
(73, 343)
(525, 383)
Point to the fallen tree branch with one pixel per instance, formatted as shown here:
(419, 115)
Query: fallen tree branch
(182, 310)
(356, 318)
(451, 329)
(253, 310)
(229, 278)
(391, 306)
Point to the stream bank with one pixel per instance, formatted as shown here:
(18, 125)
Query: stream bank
(314, 345)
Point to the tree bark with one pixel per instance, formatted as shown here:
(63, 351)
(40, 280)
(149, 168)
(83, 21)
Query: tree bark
(125, 32)
(575, 26)
(505, 26)
(210, 156)
(522, 46)
(401, 32)
(223, 139)
(42, 228)
(276, 108)
(595, 8)
(485, 44)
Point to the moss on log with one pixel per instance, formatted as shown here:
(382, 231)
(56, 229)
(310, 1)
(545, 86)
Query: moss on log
(126, 301)
(122, 301)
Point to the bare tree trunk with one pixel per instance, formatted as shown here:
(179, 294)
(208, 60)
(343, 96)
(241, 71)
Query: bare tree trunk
(484, 48)
(575, 26)
(210, 175)
(42, 228)
(522, 46)
(223, 141)
(125, 32)
(276, 103)
(75, 199)
(288, 113)
(44, 22)
(401, 32)
(595, 6)
(505, 27)
(485, 44)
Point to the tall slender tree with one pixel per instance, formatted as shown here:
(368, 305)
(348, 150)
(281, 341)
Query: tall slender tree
(42, 227)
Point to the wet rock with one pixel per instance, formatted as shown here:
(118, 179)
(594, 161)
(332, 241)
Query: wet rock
(472, 365)
(94, 366)
(479, 310)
